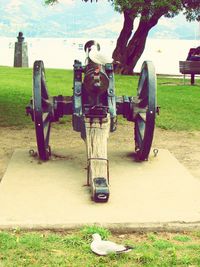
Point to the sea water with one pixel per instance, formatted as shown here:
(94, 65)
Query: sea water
(61, 52)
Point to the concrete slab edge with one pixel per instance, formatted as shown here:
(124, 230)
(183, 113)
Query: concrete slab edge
(113, 227)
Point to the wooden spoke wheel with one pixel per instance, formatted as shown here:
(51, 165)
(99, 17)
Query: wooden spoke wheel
(146, 111)
(42, 110)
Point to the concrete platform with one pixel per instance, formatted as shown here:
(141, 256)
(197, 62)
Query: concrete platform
(159, 194)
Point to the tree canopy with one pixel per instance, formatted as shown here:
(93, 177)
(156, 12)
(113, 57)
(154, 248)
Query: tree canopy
(191, 8)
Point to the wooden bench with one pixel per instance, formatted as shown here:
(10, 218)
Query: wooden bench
(189, 67)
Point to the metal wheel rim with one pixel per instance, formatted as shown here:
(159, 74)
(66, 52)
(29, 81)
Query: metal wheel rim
(42, 110)
(145, 121)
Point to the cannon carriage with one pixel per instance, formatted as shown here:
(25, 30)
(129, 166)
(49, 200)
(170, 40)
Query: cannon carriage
(94, 107)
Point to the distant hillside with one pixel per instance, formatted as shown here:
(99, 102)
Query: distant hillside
(78, 19)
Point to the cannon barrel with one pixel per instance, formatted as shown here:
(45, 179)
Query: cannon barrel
(96, 81)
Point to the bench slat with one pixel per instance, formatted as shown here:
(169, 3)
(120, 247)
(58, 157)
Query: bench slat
(189, 67)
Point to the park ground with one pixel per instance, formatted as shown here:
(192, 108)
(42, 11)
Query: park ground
(72, 248)
(178, 130)
(184, 145)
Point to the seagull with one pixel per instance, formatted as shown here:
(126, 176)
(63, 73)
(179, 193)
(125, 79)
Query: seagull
(103, 247)
(99, 58)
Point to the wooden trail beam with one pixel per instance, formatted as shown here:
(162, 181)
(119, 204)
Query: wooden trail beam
(97, 133)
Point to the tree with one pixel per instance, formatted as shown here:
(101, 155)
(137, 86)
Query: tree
(131, 43)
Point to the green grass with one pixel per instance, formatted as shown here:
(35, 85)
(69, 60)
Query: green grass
(18, 248)
(179, 103)
(16, 91)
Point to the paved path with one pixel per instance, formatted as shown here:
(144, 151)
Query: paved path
(158, 194)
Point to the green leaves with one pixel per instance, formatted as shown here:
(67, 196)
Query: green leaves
(50, 2)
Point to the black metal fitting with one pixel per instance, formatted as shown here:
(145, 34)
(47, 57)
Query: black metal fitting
(100, 189)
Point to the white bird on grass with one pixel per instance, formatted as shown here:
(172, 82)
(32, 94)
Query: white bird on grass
(103, 247)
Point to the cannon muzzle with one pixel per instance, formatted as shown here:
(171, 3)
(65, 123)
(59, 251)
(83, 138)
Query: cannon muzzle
(96, 81)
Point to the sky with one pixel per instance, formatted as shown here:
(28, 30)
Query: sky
(74, 18)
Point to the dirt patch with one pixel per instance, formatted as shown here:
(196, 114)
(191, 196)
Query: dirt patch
(185, 146)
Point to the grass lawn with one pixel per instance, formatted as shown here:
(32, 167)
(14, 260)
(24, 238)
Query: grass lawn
(73, 249)
(179, 103)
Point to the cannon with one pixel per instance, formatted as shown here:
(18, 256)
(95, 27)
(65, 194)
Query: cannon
(94, 107)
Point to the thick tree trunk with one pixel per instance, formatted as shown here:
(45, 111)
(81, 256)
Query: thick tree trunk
(122, 41)
(133, 48)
